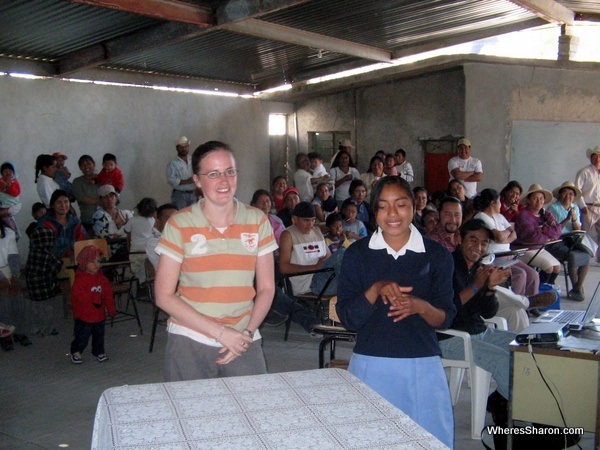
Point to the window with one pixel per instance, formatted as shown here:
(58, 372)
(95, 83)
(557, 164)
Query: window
(326, 142)
(277, 124)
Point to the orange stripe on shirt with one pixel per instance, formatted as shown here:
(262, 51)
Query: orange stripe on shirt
(204, 263)
(218, 294)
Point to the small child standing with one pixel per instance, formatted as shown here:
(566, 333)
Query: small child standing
(110, 173)
(91, 297)
(335, 237)
(353, 227)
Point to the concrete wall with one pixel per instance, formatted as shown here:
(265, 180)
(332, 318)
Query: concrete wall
(390, 115)
(498, 94)
(138, 125)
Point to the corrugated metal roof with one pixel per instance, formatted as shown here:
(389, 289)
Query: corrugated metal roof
(49, 30)
(52, 28)
(391, 24)
(241, 59)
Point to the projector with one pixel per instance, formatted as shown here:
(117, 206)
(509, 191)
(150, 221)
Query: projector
(543, 333)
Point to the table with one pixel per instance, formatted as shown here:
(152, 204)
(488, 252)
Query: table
(322, 408)
(574, 377)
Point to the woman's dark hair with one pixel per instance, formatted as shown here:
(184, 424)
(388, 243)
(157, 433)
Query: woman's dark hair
(7, 165)
(333, 218)
(483, 200)
(258, 194)
(451, 182)
(376, 158)
(510, 185)
(43, 160)
(336, 161)
(55, 195)
(204, 150)
(299, 156)
(418, 189)
(354, 184)
(84, 158)
(146, 207)
(322, 183)
(393, 180)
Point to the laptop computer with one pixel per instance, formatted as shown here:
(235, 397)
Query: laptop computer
(575, 319)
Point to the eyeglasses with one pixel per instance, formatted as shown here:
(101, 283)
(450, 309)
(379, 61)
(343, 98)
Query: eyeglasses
(214, 174)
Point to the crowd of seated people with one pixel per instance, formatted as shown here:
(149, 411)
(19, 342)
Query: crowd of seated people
(314, 223)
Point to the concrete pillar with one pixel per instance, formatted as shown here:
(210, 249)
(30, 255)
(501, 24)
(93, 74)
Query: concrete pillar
(567, 44)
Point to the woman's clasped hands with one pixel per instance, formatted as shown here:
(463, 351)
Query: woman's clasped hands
(235, 343)
(402, 304)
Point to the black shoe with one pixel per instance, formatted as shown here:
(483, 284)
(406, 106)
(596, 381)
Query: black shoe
(498, 406)
(7, 344)
(22, 339)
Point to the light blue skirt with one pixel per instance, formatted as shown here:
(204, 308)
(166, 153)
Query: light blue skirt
(417, 386)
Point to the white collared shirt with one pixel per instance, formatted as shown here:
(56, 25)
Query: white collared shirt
(414, 243)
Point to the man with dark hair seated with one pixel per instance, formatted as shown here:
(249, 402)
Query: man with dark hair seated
(475, 300)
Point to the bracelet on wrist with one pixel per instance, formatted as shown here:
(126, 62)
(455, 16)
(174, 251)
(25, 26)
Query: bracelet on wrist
(218, 339)
(473, 288)
(250, 333)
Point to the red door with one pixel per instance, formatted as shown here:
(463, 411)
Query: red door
(436, 171)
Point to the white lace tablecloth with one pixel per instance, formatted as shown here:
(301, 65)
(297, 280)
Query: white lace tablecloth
(321, 409)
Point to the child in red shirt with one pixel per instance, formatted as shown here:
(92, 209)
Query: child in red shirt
(110, 173)
(91, 297)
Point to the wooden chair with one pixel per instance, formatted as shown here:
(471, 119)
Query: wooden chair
(332, 333)
(319, 301)
(479, 378)
(122, 285)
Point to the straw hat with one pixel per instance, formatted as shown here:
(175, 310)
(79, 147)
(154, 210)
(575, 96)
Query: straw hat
(182, 141)
(591, 151)
(570, 185)
(537, 188)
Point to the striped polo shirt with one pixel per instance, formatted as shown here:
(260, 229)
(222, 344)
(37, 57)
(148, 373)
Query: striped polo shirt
(218, 270)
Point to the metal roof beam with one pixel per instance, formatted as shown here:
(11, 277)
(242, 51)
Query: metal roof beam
(103, 53)
(172, 10)
(548, 10)
(280, 33)
(467, 37)
(233, 10)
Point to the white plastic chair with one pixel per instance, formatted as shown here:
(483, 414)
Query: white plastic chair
(479, 378)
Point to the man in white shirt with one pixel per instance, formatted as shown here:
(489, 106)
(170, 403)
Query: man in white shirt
(162, 216)
(403, 167)
(588, 182)
(466, 168)
(179, 175)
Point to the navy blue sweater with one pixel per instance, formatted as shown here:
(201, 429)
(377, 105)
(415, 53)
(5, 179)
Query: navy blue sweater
(430, 275)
